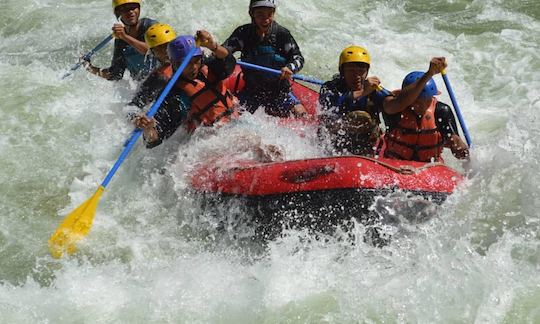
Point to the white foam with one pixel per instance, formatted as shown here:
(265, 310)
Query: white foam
(154, 256)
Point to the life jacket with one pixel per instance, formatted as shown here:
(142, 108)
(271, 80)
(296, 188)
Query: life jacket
(265, 55)
(415, 138)
(211, 103)
(334, 100)
(138, 64)
(364, 103)
(164, 72)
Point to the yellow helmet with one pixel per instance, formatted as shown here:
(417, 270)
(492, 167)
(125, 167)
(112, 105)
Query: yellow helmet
(118, 3)
(159, 34)
(354, 54)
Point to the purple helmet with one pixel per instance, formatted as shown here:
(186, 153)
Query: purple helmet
(179, 48)
(430, 89)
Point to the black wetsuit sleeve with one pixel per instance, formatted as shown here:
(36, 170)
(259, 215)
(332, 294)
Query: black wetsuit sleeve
(118, 63)
(295, 60)
(220, 69)
(237, 40)
(377, 98)
(332, 99)
(149, 90)
(445, 120)
(170, 116)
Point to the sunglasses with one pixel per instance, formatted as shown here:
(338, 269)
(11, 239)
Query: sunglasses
(127, 8)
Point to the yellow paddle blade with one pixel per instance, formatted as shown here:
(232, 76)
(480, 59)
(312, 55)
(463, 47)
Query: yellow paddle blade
(74, 227)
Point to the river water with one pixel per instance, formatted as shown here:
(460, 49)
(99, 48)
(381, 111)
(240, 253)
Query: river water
(153, 256)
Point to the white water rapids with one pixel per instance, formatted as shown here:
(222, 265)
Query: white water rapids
(152, 256)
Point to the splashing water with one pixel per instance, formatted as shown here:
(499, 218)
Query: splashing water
(153, 254)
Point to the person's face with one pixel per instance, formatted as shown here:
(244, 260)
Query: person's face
(263, 17)
(193, 68)
(421, 104)
(160, 52)
(129, 13)
(354, 75)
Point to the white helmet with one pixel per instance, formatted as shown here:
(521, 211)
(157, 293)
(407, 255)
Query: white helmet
(262, 3)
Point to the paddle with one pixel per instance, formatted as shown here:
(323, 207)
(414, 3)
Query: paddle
(87, 56)
(295, 76)
(456, 108)
(263, 68)
(78, 223)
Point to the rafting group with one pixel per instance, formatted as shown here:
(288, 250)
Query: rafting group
(195, 89)
(417, 125)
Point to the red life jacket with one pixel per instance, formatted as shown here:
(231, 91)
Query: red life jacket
(210, 102)
(415, 138)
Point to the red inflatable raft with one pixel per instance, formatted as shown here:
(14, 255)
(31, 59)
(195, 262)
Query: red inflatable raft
(317, 192)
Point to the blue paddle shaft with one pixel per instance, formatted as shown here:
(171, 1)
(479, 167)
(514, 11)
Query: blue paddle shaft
(88, 55)
(295, 76)
(151, 112)
(277, 72)
(457, 110)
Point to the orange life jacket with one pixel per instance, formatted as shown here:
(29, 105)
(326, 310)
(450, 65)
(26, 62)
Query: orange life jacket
(415, 138)
(165, 72)
(210, 102)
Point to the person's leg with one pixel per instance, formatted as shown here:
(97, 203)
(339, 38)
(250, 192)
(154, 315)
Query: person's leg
(298, 110)
(248, 101)
(284, 105)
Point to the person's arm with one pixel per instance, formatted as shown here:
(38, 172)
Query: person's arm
(445, 120)
(120, 33)
(148, 126)
(332, 99)
(395, 105)
(117, 68)
(169, 118)
(236, 41)
(207, 40)
(378, 97)
(220, 69)
(222, 63)
(149, 90)
(102, 73)
(447, 126)
(458, 147)
(295, 60)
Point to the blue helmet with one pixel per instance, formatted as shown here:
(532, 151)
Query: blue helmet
(430, 89)
(179, 48)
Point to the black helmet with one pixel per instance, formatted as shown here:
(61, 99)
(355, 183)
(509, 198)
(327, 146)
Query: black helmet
(262, 3)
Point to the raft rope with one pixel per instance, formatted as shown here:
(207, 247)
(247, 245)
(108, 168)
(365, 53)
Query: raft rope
(402, 169)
